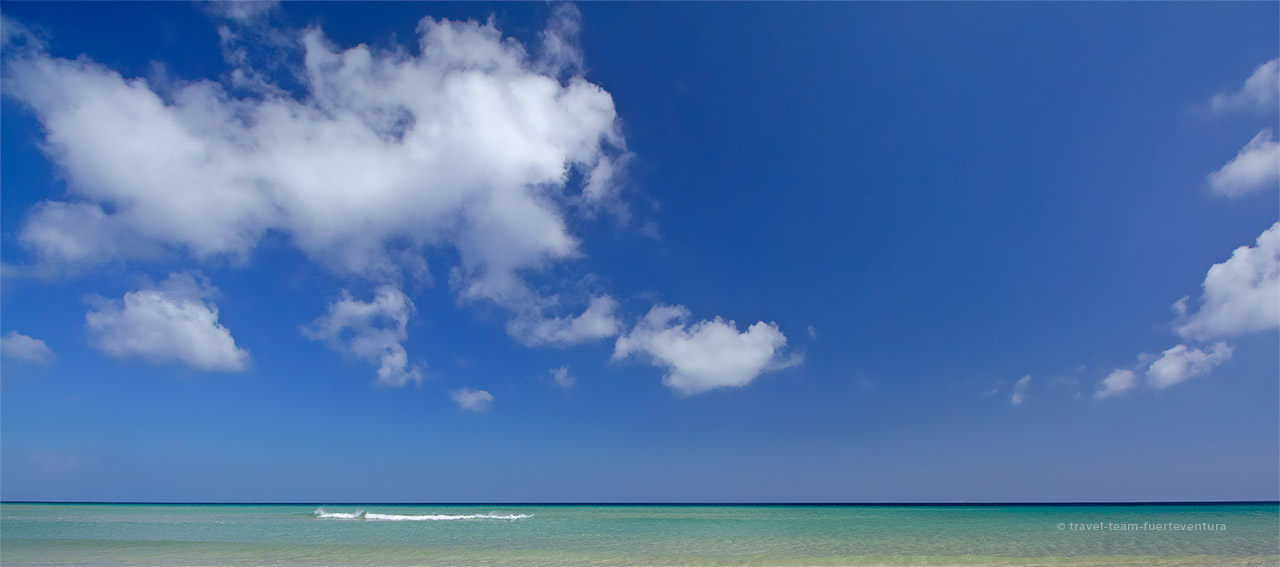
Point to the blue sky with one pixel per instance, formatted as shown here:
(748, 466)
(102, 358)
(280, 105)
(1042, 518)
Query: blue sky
(640, 252)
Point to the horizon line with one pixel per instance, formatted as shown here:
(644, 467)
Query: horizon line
(743, 504)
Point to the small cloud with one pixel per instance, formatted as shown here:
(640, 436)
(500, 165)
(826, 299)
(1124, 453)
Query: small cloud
(813, 333)
(18, 346)
(1020, 390)
(1118, 381)
(705, 355)
(650, 229)
(1182, 362)
(240, 10)
(597, 322)
(561, 377)
(561, 53)
(72, 238)
(999, 384)
(1242, 294)
(373, 330)
(170, 322)
(1255, 168)
(1260, 92)
(473, 400)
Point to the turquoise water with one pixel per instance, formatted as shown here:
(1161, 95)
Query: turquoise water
(131, 534)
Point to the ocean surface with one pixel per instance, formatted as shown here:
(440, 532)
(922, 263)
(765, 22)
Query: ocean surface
(374, 534)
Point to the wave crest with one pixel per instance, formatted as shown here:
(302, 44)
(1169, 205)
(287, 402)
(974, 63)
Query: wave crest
(320, 513)
(441, 517)
(361, 515)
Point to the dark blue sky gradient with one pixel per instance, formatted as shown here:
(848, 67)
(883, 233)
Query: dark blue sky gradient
(952, 195)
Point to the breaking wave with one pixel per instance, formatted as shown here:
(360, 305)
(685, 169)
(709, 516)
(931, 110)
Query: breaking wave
(320, 513)
(361, 515)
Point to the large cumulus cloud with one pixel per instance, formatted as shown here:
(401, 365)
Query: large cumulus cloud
(467, 145)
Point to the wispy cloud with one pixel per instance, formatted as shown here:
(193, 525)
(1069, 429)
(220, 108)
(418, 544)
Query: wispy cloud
(1255, 168)
(373, 330)
(1260, 92)
(18, 346)
(1020, 390)
(1182, 362)
(241, 9)
(597, 322)
(473, 400)
(1119, 381)
(561, 378)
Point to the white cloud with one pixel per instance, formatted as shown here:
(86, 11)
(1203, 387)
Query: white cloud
(650, 229)
(1182, 362)
(469, 148)
(1020, 389)
(373, 330)
(1118, 381)
(80, 236)
(560, 52)
(252, 48)
(1261, 91)
(705, 355)
(172, 321)
(597, 322)
(21, 347)
(241, 9)
(473, 400)
(1242, 294)
(466, 145)
(16, 36)
(561, 377)
(1255, 168)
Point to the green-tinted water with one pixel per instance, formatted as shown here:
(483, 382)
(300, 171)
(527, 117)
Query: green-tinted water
(108, 534)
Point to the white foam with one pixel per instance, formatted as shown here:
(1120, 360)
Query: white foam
(443, 517)
(320, 513)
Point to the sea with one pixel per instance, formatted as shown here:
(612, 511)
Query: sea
(383, 534)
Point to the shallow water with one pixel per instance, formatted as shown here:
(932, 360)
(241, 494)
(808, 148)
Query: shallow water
(130, 534)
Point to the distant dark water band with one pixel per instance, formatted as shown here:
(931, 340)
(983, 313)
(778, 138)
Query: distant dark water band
(674, 504)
